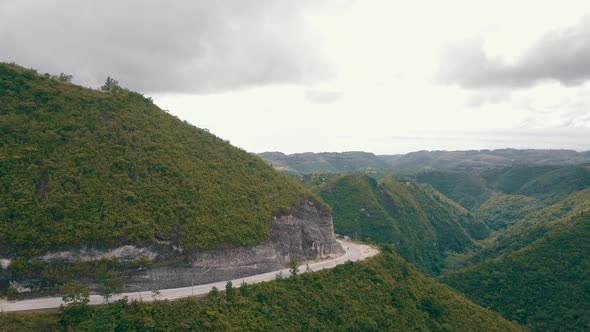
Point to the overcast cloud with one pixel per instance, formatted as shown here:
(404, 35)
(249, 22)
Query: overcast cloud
(164, 46)
(562, 55)
(330, 75)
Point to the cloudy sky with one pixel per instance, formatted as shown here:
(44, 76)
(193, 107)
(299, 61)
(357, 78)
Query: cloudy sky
(330, 75)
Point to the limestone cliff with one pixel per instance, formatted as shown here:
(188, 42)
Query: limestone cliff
(307, 233)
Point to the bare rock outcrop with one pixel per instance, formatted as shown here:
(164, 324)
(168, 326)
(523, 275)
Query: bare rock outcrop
(307, 233)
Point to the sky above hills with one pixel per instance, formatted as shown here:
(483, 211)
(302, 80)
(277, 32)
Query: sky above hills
(332, 75)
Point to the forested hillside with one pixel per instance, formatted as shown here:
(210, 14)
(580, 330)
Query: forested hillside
(382, 294)
(99, 168)
(465, 188)
(423, 224)
(544, 284)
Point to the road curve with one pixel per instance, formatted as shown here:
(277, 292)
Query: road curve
(353, 252)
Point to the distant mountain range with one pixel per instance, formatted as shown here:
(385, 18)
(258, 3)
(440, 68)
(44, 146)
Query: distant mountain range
(346, 162)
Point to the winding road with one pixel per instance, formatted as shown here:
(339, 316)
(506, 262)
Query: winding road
(353, 252)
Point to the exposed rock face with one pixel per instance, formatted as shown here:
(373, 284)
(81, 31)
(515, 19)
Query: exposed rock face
(308, 233)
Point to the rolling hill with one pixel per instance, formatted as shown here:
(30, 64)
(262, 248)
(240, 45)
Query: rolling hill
(89, 176)
(469, 160)
(423, 224)
(543, 282)
(334, 162)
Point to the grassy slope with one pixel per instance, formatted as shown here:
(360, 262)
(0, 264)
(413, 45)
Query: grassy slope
(381, 294)
(83, 167)
(422, 223)
(545, 284)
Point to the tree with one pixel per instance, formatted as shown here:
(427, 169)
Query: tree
(75, 293)
(111, 85)
(293, 266)
(109, 284)
(229, 291)
(244, 289)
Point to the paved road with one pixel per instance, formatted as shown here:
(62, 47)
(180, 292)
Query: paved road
(353, 252)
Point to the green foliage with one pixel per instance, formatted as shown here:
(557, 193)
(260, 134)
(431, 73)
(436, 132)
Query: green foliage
(558, 183)
(110, 284)
(546, 284)
(75, 293)
(534, 226)
(465, 188)
(384, 294)
(502, 211)
(293, 266)
(81, 167)
(423, 224)
(542, 182)
(510, 179)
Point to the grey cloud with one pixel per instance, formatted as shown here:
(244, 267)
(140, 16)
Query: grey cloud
(156, 46)
(562, 55)
(322, 97)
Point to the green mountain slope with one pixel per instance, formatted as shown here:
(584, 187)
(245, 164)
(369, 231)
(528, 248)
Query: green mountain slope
(558, 183)
(81, 167)
(422, 223)
(510, 179)
(382, 294)
(465, 188)
(534, 226)
(502, 211)
(545, 284)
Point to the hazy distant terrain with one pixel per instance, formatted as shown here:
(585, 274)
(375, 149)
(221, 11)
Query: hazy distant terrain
(474, 159)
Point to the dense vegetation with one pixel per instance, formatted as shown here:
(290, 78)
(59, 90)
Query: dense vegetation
(534, 226)
(543, 182)
(423, 224)
(501, 210)
(546, 284)
(82, 167)
(468, 190)
(382, 294)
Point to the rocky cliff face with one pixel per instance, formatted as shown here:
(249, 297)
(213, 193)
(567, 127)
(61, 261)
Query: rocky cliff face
(307, 233)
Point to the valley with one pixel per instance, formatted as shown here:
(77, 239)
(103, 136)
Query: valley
(108, 198)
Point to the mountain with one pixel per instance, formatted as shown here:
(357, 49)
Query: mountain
(90, 174)
(477, 159)
(501, 211)
(465, 188)
(382, 294)
(543, 280)
(469, 160)
(334, 162)
(539, 181)
(423, 224)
